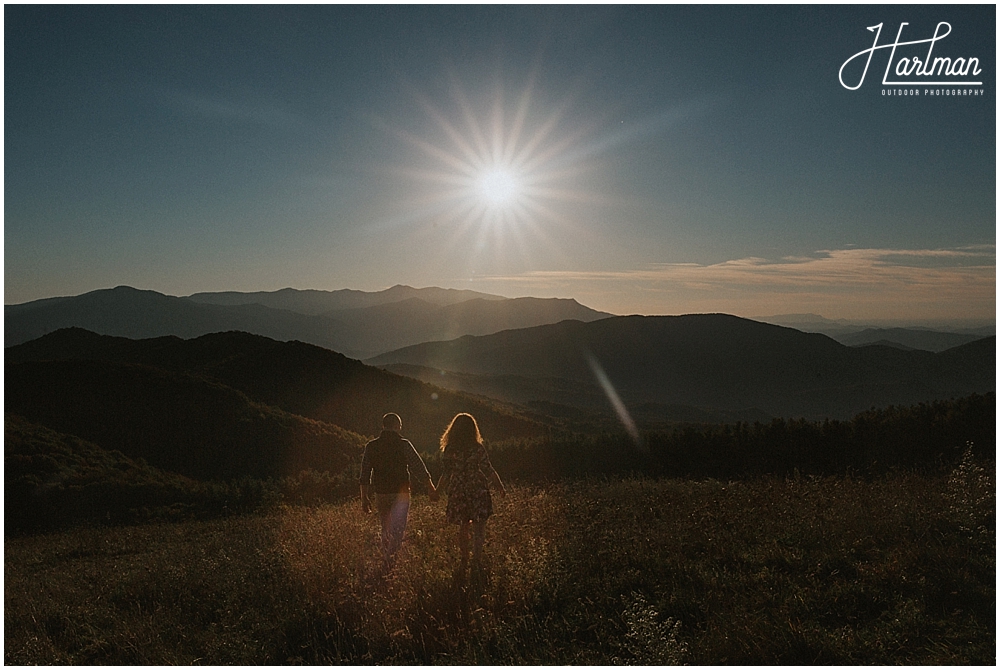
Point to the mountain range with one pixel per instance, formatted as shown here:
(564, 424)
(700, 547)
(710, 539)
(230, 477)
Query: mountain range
(315, 302)
(233, 404)
(706, 361)
(907, 338)
(936, 338)
(553, 356)
(356, 323)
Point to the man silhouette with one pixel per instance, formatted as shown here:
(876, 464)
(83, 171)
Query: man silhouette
(386, 466)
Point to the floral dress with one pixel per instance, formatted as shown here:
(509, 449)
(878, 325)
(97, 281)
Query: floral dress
(468, 488)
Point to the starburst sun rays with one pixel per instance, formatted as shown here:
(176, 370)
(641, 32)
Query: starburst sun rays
(502, 178)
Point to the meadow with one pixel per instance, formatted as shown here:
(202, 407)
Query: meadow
(894, 568)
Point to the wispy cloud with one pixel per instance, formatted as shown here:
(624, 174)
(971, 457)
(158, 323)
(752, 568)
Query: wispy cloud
(217, 108)
(931, 282)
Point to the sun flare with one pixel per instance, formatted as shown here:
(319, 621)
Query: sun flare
(499, 187)
(507, 179)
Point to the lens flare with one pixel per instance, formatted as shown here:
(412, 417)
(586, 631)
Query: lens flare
(615, 400)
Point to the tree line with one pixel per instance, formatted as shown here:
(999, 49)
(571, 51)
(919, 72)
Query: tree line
(925, 436)
(53, 479)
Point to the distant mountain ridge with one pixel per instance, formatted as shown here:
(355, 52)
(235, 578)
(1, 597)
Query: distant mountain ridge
(315, 302)
(354, 323)
(379, 327)
(715, 361)
(801, 318)
(134, 313)
(912, 338)
(926, 338)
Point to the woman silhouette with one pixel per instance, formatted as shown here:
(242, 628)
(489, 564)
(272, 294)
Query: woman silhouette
(467, 477)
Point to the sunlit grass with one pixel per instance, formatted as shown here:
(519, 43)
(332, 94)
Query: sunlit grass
(770, 571)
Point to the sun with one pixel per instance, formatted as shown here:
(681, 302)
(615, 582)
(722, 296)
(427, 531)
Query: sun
(492, 165)
(499, 187)
(499, 181)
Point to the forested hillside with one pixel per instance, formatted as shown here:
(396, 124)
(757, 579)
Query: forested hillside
(297, 378)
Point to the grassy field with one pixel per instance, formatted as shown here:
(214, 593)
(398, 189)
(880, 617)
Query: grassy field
(834, 570)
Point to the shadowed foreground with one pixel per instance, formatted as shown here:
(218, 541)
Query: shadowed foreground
(899, 570)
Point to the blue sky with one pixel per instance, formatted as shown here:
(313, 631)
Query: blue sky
(650, 159)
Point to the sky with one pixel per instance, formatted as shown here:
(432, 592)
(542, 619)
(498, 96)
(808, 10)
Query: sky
(642, 160)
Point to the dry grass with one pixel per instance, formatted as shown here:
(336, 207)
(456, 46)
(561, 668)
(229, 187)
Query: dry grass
(772, 571)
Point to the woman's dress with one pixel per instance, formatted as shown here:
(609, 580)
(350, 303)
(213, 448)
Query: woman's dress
(468, 488)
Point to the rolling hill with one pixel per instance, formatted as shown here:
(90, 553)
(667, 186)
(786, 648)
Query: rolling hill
(714, 361)
(176, 422)
(296, 378)
(52, 479)
(354, 323)
(580, 402)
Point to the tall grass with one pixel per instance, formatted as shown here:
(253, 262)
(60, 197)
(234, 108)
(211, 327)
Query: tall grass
(767, 571)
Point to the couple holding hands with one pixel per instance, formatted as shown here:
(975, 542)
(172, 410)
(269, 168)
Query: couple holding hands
(388, 462)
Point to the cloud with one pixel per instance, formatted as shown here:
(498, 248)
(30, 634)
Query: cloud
(837, 270)
(220, 109)
(845, 282)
